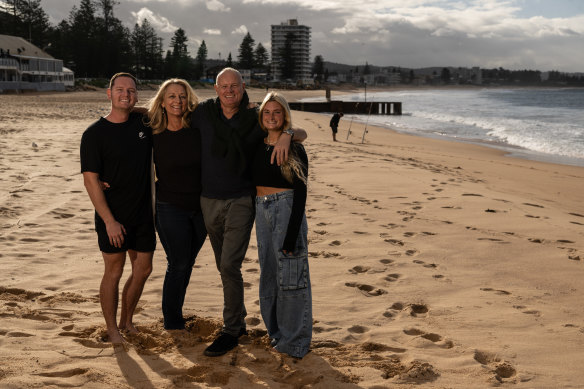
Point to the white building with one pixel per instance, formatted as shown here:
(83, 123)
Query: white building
(23, 66)
(300, 50)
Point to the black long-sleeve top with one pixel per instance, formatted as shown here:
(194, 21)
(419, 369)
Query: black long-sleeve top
(265, 173)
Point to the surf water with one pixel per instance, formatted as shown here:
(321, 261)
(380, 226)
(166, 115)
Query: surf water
(544, 124)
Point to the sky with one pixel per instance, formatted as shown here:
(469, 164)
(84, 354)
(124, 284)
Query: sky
(514, 34)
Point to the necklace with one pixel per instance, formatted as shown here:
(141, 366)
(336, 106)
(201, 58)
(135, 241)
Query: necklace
(268, 143)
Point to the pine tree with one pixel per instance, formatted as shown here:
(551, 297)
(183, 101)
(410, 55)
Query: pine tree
(246, 54)
(318, 67)
(180, 60)
(229, 61)
(287, 59)
(27, 20)
(200, 60)
(81, 39)
(261, 56)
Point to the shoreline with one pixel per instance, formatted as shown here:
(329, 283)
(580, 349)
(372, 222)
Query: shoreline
(511, 150)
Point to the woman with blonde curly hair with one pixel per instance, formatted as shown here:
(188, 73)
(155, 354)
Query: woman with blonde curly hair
(179, 220)
(281, 228)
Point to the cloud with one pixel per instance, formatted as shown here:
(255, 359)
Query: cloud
(212, 31)
(181, 2)
(159, 22)
(216, 5)
(240, 30)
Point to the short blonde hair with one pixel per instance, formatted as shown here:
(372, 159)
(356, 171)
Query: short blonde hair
(157, 119)
(121, 74)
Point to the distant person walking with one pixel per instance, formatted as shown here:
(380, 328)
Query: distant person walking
(117, 149)
(335, 124)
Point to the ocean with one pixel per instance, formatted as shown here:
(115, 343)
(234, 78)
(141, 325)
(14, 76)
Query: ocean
(544, 124)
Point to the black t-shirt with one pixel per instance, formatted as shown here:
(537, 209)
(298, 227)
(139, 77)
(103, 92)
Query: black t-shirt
(177, 157)
(121, 154)
(264, 173)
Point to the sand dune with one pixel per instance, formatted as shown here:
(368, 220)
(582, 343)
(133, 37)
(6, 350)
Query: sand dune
(434, 264)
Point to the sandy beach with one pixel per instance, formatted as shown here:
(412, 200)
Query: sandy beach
(434, 264)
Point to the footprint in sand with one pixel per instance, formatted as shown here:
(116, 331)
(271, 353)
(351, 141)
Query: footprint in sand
(534, 205)
(359, 269)
(386, 261)
(367, 290)
(424, 264)
(496, 291)
(252, 321)
(393, 310)
(432, 337)
(324, 254)
(419, 310)
(392, 277)
(378, 347)
(64, 373)
(17, 334)
(335, 243)
(524, 309)
(501, 369)
(394, 242)
(358, 329)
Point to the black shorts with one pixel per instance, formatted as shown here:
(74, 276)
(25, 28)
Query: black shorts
(334, 130)
(140, 237)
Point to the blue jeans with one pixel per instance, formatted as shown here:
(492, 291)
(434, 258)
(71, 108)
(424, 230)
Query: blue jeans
(285, 292)
(182, 234)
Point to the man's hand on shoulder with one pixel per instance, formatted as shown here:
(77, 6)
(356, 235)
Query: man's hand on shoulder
(282, 147)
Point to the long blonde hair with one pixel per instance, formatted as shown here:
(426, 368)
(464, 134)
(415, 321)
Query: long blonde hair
(293, 166)
(157, 119)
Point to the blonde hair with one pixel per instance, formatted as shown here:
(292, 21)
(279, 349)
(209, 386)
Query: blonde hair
(157, 119)
(293, 166)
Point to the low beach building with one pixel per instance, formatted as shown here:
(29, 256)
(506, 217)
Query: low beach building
(24, 66)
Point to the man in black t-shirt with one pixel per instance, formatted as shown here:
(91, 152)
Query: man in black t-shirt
(117, 150)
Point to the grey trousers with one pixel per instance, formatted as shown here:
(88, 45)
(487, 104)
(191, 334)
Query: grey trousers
(229, 223)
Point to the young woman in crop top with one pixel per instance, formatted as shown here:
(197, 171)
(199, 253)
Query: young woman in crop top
(285, 293)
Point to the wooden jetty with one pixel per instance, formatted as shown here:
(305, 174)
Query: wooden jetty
(350, 107)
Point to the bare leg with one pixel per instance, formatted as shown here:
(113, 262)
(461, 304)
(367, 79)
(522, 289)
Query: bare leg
(141, 269)
(108, 293)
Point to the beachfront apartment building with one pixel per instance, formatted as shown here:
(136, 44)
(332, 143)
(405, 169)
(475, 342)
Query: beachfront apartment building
(24, 66)
(300, 50)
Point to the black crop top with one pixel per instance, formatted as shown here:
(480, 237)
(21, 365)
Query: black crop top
(265, 173)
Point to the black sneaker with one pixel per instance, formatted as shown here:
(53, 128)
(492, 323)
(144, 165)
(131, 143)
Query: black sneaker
(242, 332)
(221, 345)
